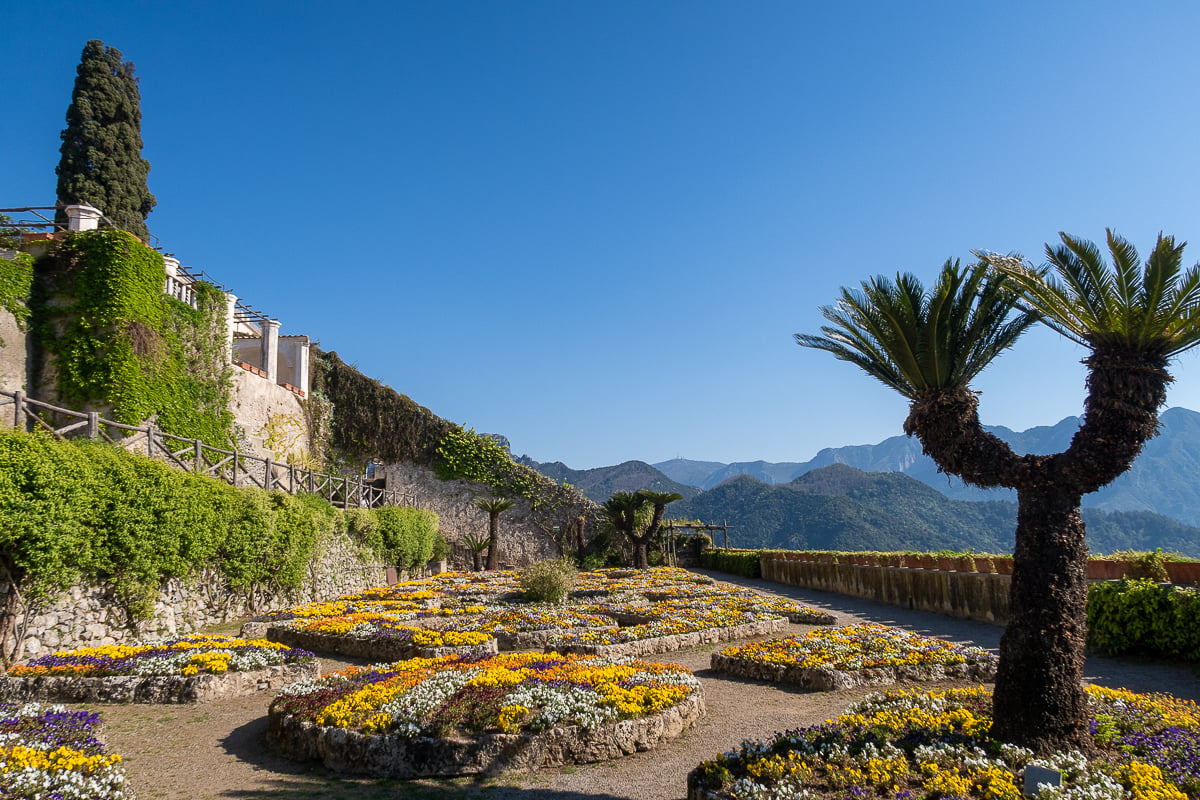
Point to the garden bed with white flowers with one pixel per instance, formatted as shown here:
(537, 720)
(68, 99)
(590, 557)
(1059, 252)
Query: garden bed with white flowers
(635, 648)
(860, 655)
(192, 669)
(462, 716)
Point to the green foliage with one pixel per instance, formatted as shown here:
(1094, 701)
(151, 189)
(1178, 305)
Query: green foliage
(1150, 565)
(736, 562)
(407, 535)
(441, 548)
(373, 421)
(547, 581)
(16, 280)
(463, 453)
(72, 512)
(101, 162)
(117, 340)
(1144, 617)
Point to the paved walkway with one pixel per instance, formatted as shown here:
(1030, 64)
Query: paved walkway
(1135, 674)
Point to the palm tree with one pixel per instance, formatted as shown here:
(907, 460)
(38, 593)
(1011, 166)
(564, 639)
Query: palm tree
(494, 506)
(622, 510)
(477, 545)
(930, 345)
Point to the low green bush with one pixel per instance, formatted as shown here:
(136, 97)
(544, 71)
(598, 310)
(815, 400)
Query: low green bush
(736, 562)
(406, 535)
(547, 581)
(1141, 616)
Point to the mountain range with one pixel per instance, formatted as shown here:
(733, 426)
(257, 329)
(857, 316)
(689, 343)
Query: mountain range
(889, 496)
(1162, 480)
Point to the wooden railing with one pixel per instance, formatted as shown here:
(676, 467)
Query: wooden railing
(192, 455)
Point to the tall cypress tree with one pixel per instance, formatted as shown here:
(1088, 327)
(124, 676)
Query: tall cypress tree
(102, 162)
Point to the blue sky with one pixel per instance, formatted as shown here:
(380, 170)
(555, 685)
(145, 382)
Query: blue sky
(594, 227)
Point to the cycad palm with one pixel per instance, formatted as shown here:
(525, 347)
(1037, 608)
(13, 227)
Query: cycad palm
(494, 506)
(1132, 319)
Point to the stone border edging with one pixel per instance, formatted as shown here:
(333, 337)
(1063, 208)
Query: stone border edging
(535, 640)
(676, 641)
(393, 756)
(827, 679)
(155, 688)
(388, 650)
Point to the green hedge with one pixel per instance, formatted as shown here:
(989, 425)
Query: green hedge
(736, 562)
(1140, 616)
(89, 512)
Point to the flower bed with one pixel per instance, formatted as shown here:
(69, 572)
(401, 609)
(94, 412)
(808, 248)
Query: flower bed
(49, 752)
(195, 668)
(378, 638)
(934, 744)
(857, 655)
(455, 716)
(484, 604)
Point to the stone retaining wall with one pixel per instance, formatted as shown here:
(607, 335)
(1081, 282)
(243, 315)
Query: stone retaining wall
(827, 679)
(89, 616)
(393, 756)
(676, 641)
(522, 540)
(980, 596)
(155, 688)
(388, 650)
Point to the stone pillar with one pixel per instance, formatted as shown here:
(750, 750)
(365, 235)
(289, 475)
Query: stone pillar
(82, 218)
(171, 265)
(302, 367)
(230, 313)
(270, 349)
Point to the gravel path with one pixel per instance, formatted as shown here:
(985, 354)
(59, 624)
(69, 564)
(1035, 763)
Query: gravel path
(218, 750)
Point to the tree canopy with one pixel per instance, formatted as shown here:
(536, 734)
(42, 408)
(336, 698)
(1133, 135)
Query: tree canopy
(101, 163)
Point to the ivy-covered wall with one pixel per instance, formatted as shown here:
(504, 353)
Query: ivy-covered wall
(109, 339)
(373, 421)
(16, 278)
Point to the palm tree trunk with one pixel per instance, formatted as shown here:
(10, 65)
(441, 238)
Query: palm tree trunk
(1039, 701)
(493, 560)
(640, 558)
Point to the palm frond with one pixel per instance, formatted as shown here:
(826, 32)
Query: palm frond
(917, 341)
(1152, 308)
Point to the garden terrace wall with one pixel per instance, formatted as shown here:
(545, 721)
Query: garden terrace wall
(89, 616)
(393, 756)
(155, 688)
(979, 596)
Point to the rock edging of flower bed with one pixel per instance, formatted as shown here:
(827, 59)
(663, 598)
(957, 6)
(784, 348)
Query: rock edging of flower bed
(674, 641)
(394, 756)
(376, 649)
(155, 688)
(827, 679)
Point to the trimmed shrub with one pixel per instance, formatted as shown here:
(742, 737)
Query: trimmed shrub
(547, 581)
(406, 535)
(1144, 617)
(736, 562)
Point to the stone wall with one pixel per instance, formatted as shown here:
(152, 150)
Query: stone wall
(980, 596)
(265, 410)
(89, 616)
(12, 358)
(523, 540)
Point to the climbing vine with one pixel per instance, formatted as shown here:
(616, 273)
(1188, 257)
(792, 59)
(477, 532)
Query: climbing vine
(117, 341)
(16, 279)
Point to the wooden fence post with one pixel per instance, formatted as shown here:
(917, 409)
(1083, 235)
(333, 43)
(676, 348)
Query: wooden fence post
(270, 474)
(235, 469)
(93, 426)
(19, 414)
(197, 456)
(150, 440)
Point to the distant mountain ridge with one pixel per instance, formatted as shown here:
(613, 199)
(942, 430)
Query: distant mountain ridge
(1162, 480)
(839, 507)
(599, 484)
